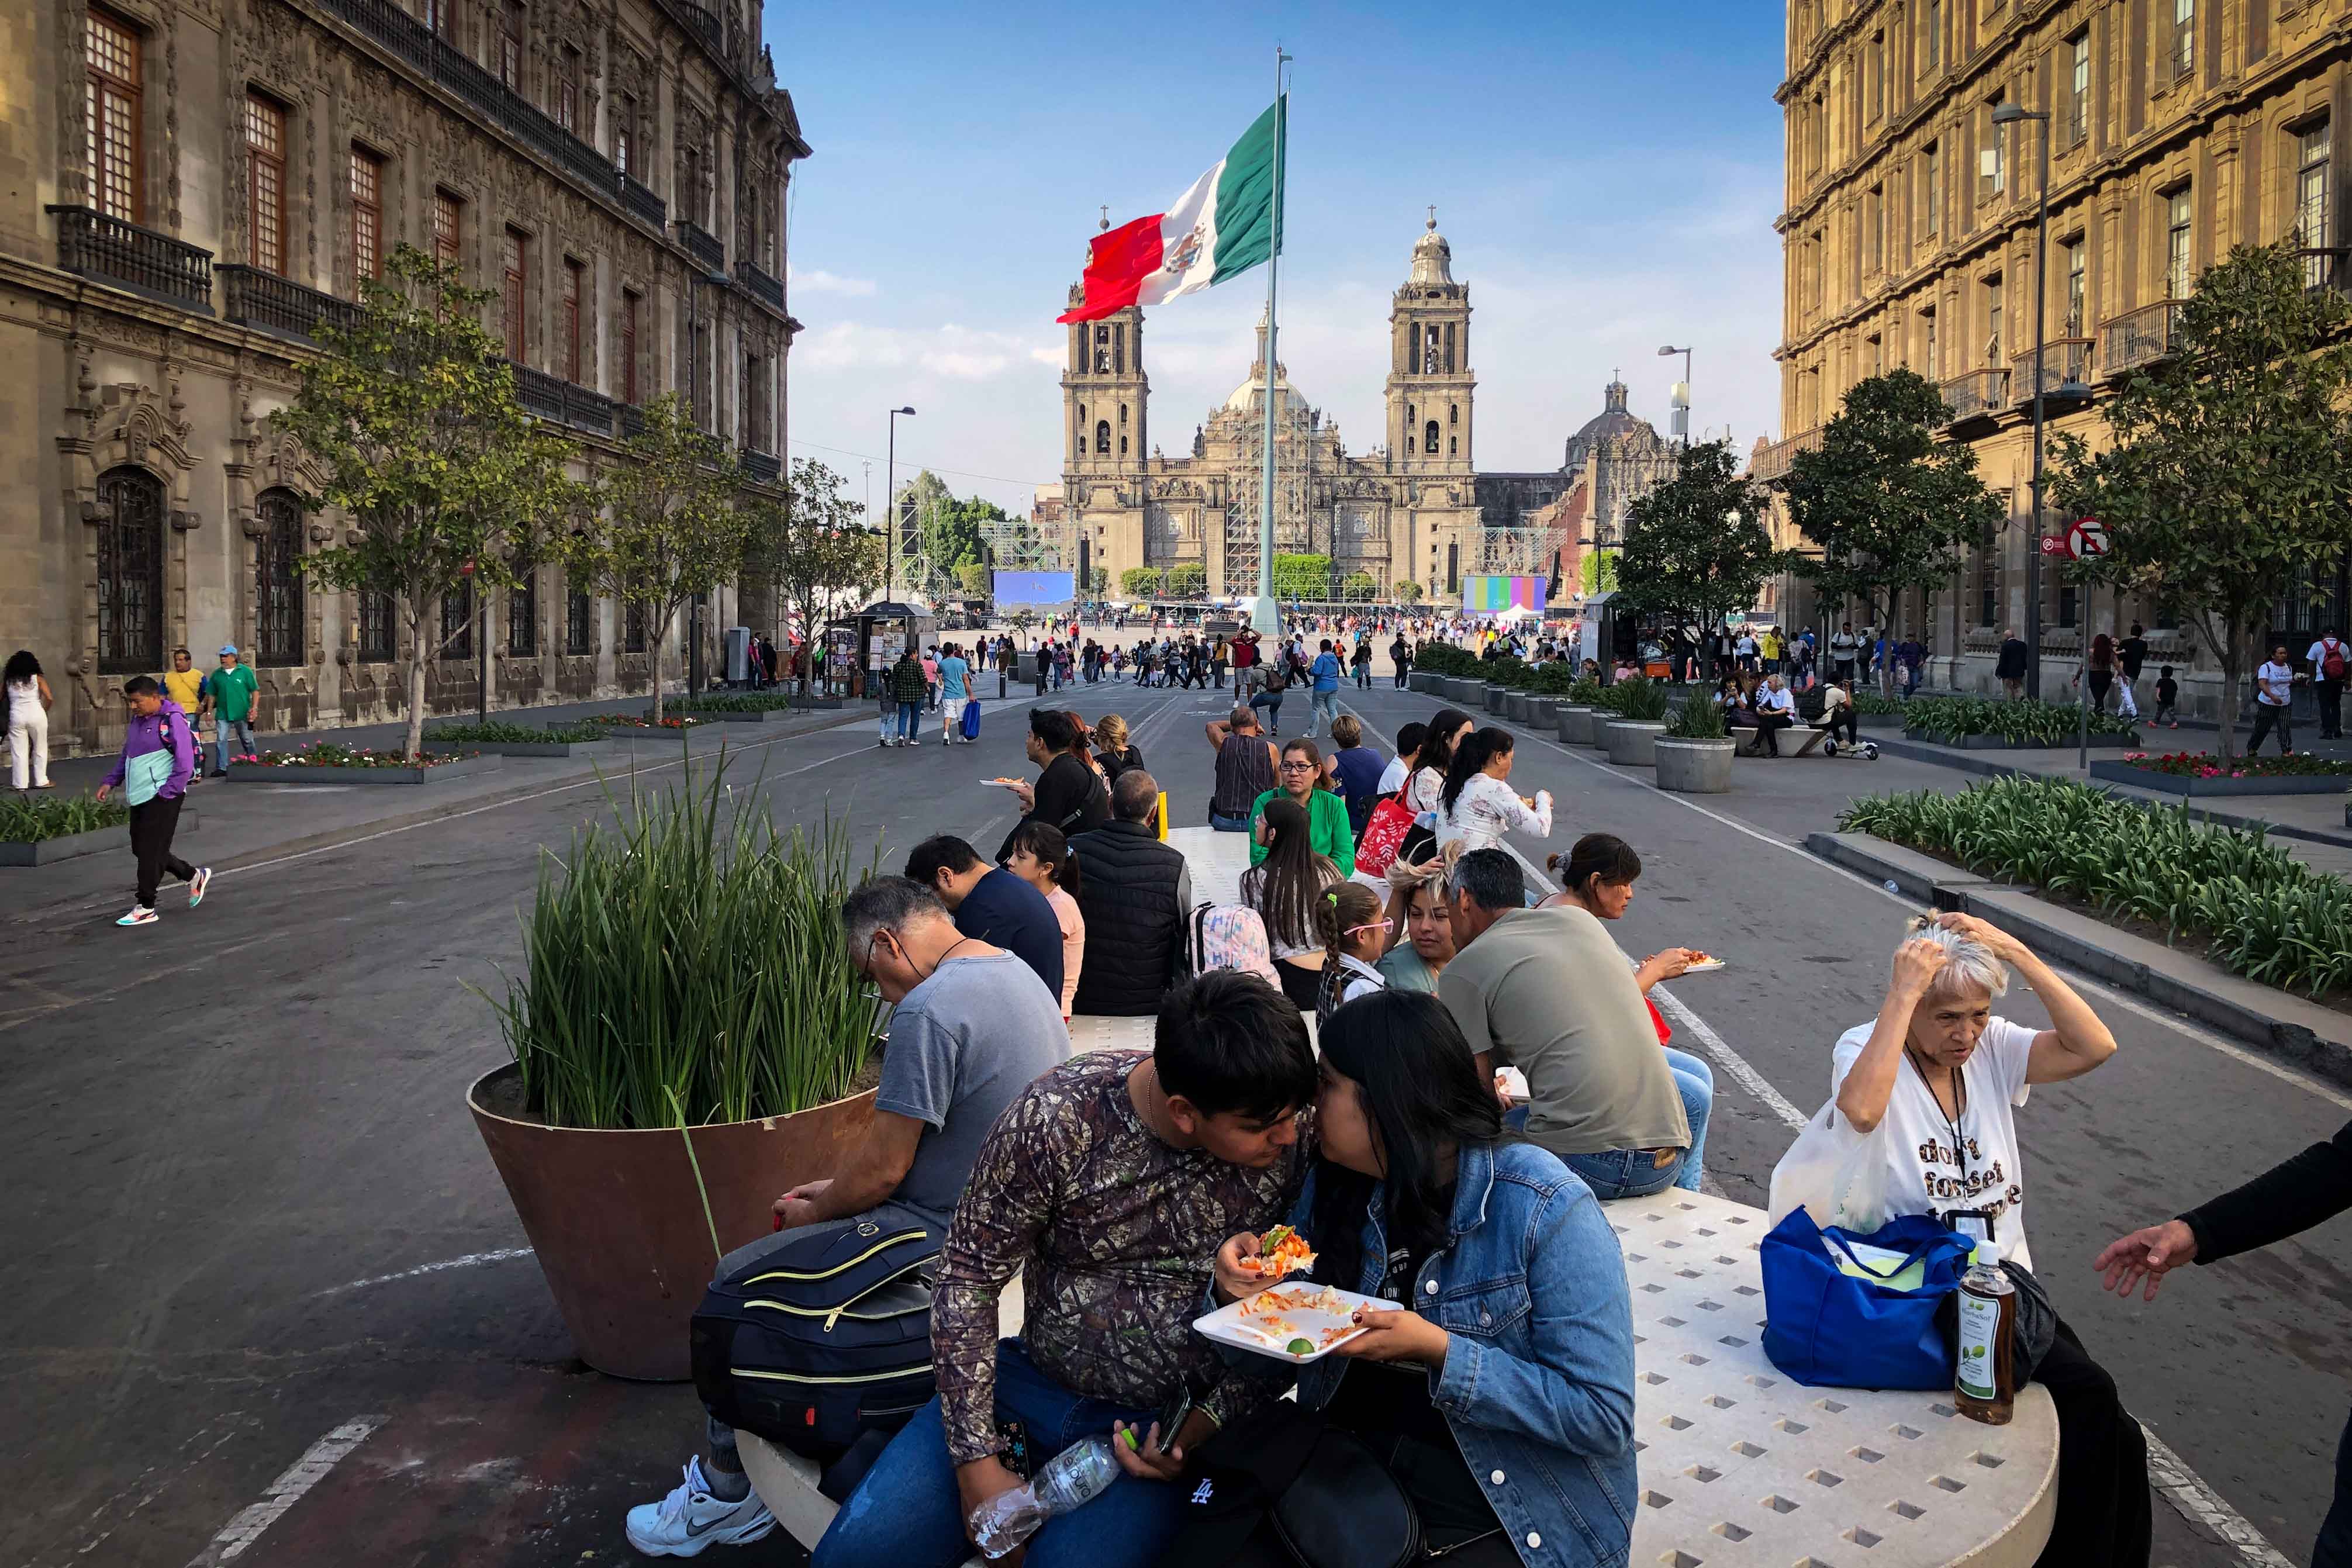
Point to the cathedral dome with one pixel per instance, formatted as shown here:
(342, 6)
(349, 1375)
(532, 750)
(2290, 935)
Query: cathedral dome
(1433, 258)
(1250, 393)
(1613, 422)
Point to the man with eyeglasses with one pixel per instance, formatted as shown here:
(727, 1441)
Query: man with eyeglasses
(973, 1027)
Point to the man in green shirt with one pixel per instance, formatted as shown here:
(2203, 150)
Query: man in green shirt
(229, 691)
(1300, 774)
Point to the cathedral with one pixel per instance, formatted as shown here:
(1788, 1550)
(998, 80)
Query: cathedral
(1413, 508)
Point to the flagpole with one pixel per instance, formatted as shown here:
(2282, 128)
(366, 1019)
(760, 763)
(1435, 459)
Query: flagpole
(1264, 613)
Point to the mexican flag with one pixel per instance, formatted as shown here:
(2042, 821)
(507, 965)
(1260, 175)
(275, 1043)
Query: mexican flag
(1223, 226)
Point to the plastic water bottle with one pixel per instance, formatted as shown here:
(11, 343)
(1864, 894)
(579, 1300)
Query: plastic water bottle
(1077, 1475)
(1892, 886)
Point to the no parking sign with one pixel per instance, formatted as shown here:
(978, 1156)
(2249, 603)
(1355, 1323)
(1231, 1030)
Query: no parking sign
(2087, 538)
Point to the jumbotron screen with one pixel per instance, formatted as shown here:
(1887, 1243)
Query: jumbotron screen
(1491, 595)
(1040, 589)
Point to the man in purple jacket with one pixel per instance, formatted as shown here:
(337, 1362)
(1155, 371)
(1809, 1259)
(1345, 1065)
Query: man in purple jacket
(159, 727)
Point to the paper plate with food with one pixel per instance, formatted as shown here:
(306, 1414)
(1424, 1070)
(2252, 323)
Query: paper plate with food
(1004, 783)
(1296, 1323)
(1281, 1252)
(1701, 962)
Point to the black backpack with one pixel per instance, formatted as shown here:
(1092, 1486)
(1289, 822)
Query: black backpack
(824, 1340)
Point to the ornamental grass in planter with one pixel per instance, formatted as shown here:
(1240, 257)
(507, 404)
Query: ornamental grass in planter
(688, 1039)
(1637, 709)
(1694, 756)
(32, 817)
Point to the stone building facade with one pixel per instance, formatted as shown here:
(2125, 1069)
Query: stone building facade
(197, 185)
(2178, 129)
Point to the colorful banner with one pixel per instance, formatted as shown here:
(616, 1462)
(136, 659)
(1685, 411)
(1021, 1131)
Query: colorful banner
(1485, 595)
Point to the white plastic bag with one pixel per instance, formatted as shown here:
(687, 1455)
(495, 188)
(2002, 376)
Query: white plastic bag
(1833, 1173)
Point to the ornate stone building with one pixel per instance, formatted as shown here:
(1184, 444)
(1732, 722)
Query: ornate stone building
(196, 185)
(2176, 130)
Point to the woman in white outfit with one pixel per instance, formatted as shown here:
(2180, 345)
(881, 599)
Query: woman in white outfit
(28, 700)
(1478, 804)
(1448, 729)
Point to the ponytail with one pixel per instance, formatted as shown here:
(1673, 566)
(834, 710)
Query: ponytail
(1343, 905)
(1046, 842)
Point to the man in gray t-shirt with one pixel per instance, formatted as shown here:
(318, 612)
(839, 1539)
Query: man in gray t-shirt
(973, 1027)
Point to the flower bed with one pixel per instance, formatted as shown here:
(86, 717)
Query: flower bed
(2202, 774)
(2262, 913)
(331, 763)
(497, 733)
(643, 722)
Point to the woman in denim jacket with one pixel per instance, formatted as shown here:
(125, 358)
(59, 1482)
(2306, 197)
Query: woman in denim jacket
(1502, 1396)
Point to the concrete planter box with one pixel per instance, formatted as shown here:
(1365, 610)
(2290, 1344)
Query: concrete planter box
(642, 733)
(1575, 721)
(522, 748)
(805, 704)
(100, 841)
(1465, 690)
(1515, 707)
(255, 772)
(760, 716)
(2000, 744)
(1881, 721)
(1493, 697)
(2205, 789)
(1632, 743)
(1543, 712)
(1693, 767)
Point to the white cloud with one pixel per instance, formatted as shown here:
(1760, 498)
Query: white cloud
(822, 283)
(951, 352)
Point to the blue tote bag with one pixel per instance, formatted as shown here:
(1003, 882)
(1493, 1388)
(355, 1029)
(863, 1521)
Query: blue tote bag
(1823, 1326)
(969, 723)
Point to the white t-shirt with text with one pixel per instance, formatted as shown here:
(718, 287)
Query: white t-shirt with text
(2275, 684)
(1933, 1166)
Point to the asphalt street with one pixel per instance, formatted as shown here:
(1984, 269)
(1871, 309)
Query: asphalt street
(250, 1224)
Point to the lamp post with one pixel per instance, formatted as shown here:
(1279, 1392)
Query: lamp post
(890, 500)
(2010, 114)
(1682, 413)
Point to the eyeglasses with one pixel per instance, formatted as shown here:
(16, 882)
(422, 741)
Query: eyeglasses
(1376, 925)
(1296, 768)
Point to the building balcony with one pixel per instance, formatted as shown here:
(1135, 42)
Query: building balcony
(279, 305)
(2140, 337)
(760, 468)
(763, 287)
(1975, 399)
(704, 24)
(1773, 463)
(2062, 360)
(552, 397)
(641, 202)
(702, 245)
(92, 245)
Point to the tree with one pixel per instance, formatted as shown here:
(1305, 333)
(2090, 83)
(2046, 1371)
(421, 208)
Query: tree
(448, 481)
(1696, 547)
(816, 548)
(1140, 581)
(1600, 571)
(1302, 576)
(1360, 586)
(1409, 592)
(1187, 580)
(668, 530)
(971, 579)
(2230, 478)
(1889, 503)
(1101, 583)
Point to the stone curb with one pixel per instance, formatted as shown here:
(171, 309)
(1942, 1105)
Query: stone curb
(2311, 1036)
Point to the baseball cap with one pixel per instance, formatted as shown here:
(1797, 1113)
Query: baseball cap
(228, 648)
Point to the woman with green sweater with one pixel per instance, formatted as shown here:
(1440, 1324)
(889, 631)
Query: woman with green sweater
(1326, 813)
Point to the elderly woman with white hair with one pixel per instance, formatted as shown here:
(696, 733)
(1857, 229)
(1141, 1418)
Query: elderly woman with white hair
(1933, 1082)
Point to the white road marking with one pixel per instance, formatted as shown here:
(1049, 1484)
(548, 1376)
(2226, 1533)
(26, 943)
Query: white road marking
(236, 1424)
(2197, 1503)
(285, 1491)
(1731, 1062)
(472, 1261)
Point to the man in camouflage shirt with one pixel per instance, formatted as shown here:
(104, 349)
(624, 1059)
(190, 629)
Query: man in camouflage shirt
(1107, 1186)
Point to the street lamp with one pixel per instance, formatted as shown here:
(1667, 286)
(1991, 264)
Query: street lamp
(890, 500)
(2010, 114)
(1682, 415)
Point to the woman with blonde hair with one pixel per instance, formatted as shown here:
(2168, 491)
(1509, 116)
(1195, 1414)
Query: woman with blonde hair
(1113, 755)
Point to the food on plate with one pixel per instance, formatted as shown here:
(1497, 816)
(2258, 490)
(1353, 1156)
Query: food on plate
(1300, 1347)
(1281, 1251)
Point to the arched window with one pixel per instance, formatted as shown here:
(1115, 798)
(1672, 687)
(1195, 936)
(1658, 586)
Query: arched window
(1452, 447)
(1454, 413)
(1429, 437)
(1102, 436)
(130, 572)
(278, 581)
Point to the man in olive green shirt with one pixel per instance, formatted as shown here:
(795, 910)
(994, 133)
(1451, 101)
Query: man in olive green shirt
(1548, 992)
(229, 689)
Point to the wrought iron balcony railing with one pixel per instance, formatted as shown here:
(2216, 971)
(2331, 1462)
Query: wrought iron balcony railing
(253, 297)
(552, 397)
(702, 245)
(632, 421)
(92, 245)
(1980, 394)
(2140, 337)
(642, 203)
(2062, 360)
(763, 287)
(760, 466)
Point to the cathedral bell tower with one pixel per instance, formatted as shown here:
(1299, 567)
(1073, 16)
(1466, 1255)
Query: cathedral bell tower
(1104, 391)
(1431, 384)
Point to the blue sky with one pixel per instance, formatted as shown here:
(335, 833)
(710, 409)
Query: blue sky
(1607, 177)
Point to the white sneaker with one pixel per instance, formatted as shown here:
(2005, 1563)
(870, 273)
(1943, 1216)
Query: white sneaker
(197, 884)
(139, 915)
(690, 1518)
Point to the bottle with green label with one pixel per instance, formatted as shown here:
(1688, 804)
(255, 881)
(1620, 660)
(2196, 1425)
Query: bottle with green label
(1985, 1375)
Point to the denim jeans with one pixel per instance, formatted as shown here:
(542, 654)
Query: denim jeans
(1626, 1173)
(222, 728)
(1228, 823)
(1322, 708)
(1272, 702)
(889, 720)
(906, 1512)
(909, 716)
(1695, 1081)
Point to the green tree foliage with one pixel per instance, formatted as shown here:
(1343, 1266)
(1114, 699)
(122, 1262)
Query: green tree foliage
(1600, 571)
(971, 579)
(668, 529)
(412, 411)
(1360, 586)
(1187, 580)
(1101, 583)
(1890, 505)
(816, 549)
(1302, 576)
(1409, 592)
(1696, 547)
(2230, 478)
(1141, 582)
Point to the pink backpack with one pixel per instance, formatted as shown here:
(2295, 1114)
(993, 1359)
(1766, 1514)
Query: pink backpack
(1230, 936)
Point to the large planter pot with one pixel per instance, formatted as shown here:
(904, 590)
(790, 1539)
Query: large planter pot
(1464, 691)
(1494, 697)
(1515, 707)
(1693, 767)
(2203, 789)
(259, 773)
(1543, 712)
(617, 1220)
(1631, 743)
(1575, 721)
(68, 847)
